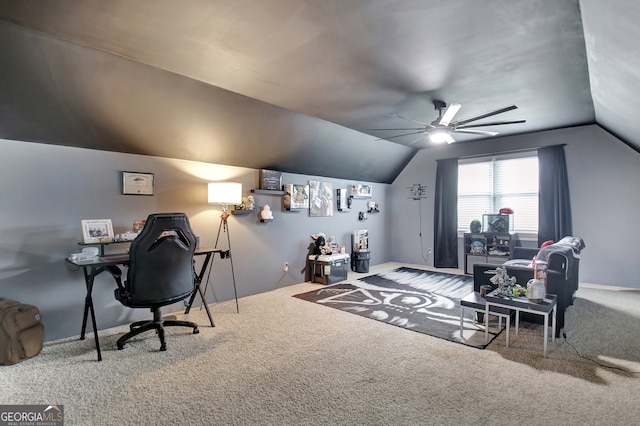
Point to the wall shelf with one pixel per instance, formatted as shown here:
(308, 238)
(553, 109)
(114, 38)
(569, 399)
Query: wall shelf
(267, 192)
(240, 212)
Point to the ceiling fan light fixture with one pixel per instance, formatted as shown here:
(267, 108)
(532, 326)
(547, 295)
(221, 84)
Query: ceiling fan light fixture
(440, 136)
(441, 129)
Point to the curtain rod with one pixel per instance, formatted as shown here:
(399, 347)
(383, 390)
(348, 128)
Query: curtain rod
(512, 151)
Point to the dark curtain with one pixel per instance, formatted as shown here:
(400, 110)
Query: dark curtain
(446, 215)
(554, 210)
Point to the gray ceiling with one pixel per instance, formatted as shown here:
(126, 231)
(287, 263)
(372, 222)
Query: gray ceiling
(293, 85)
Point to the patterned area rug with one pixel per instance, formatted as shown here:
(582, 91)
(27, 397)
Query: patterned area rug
(423, 301)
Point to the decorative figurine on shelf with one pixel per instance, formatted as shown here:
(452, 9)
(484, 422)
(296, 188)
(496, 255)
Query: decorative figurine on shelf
(247, 203)
(502, 280)
(266, 214)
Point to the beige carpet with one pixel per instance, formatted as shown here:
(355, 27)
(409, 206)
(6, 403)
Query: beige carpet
(284, 361)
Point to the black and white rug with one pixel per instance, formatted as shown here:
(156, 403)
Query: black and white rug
(424, 301)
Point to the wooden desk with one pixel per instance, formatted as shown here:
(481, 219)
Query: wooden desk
(111, 263)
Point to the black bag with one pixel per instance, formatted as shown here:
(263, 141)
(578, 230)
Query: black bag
(21, 332)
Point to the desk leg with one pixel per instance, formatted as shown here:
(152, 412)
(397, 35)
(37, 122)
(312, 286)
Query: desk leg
(197, 289)
(88, 308)
(206, 306)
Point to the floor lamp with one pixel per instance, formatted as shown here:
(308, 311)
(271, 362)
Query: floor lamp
(225, 193)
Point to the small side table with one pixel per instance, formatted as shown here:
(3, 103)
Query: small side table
(521, 304)
(476, 303)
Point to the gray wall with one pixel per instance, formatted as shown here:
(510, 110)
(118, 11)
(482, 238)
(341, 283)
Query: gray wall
(604, 174)
(46, 191)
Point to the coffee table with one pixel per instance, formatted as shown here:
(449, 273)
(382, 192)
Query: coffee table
(545, 308)
(477, 303)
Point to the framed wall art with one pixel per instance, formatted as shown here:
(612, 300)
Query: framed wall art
(321, 198)
(343, 200)
(360, 191)
(136, 183)
(97, 231)
(270, 180)
(296, 196)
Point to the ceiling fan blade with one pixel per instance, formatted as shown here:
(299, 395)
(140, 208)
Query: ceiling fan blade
(397, 136)
(449, 139)
(411, 119)
(494, 123)
(451, 112)
(420, 138)
(476, 132)
(402, 128)
(485, 115)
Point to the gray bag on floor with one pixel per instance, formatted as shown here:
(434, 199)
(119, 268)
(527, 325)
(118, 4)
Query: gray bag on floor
(21, 332)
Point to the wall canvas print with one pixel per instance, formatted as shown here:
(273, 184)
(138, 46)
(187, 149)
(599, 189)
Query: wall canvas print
(321, 194)
(342, 200)
(296, 196)
(361, 191)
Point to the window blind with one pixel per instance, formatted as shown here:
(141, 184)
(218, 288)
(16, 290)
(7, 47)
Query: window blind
(487, 185)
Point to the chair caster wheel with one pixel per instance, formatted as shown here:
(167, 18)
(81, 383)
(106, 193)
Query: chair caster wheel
(120, 346)
(163, 347)
(196, 331)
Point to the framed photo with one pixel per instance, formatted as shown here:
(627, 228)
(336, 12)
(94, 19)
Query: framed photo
(136, 183)
(97, 231)
(360, 191)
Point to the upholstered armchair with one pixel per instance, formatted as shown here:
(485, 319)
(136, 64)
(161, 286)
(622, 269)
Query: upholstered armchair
(563, 259)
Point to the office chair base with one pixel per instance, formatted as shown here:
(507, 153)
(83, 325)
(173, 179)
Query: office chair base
(139, 327)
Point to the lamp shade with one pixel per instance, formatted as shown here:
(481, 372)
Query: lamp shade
(225, 193)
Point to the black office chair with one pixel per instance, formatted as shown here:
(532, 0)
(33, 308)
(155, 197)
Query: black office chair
(160, 272)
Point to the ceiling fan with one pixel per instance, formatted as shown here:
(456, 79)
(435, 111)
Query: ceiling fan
(440, 129)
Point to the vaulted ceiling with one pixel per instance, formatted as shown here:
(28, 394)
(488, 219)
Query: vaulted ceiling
(296, 85)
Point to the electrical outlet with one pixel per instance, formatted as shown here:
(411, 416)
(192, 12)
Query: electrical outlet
(286, 267)
(429, 250)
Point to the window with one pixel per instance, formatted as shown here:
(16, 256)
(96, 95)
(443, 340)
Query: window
(486, 185)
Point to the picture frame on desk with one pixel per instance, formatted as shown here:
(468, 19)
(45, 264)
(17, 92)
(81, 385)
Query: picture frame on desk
(137, 183)
(97, 231)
